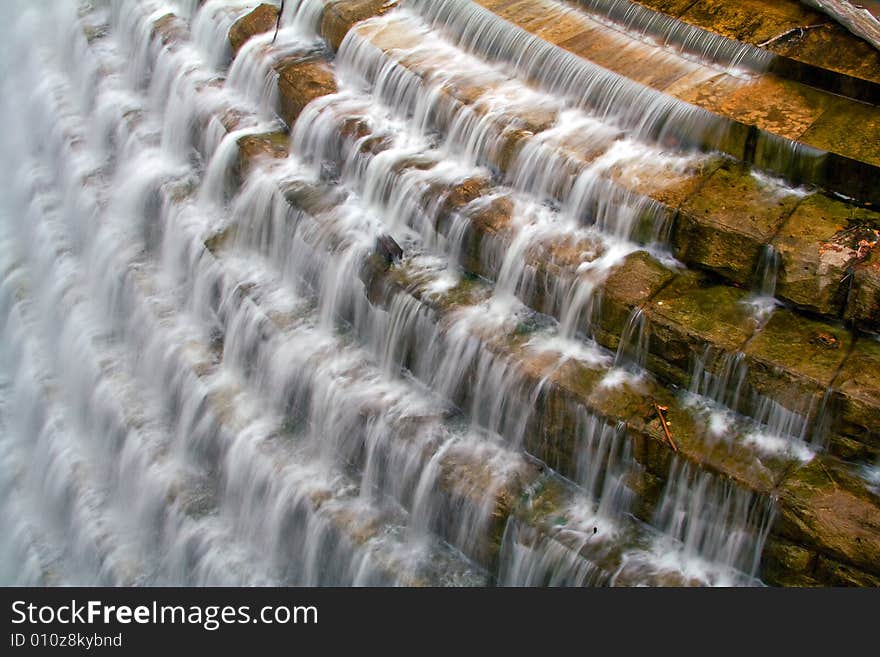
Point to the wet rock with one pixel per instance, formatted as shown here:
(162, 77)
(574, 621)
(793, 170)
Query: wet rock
(689, 315)
(840, 62)
(388, 249)
(170, 30)
(669, 187)
(454, 198)
(266, 146)
(231, 119)
(671, 7)
(833, 132)
(593, 43)
(823, 508)
(817, 246)
(725, 226)
(262, 19)
(632, 283)
(95, 32)
(473, 485)
(752, 21)
(834, 573)
(299, 83)
(312, 198)
(487, 219)
(217, 241)
(728, 457)
(786, 564)
(341, 15)
(793, 360)
(858, 387)
(863, 302)
(560, 392)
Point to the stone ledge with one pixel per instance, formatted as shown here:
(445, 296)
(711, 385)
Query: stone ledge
(262, 19)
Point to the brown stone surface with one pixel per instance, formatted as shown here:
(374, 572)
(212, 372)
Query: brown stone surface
(752, 21)
(849, 128)
(664, 184)
(863, 303)
(820, 505)
(554, 27)
(834, 573)
(689, 315)
(817, 246)
(671, 7)
(632, 283)
(170, 29)
(466, 477)
(858, 385)
(755, 21)
(781, 107)
(725, 225)
(341, 15)
(299, 83)
(787, 564)
(273, 145)
(262, 19)
(627, 57)
(833, 48)
(793, 360)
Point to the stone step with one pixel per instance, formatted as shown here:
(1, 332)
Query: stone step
(707, 232)
(343, 518)
(608, 552)
(572, 385)
(704, 205)
(607, 332)
(686, 319)
(675, 423)
(685, 315)
(465, 477)
(796, 131)
(825, 55)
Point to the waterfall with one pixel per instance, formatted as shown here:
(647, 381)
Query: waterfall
(719, 529)
(210, 374)
(720, 393)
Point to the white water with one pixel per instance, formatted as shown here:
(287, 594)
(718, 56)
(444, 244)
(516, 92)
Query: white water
(244, 415)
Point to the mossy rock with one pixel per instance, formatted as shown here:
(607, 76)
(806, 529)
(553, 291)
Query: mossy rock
(725, 226)
(863, 302)
(824, 508)
(794, 358)
(817, 246)
(858, 385)
(630, 285)
(692, 314)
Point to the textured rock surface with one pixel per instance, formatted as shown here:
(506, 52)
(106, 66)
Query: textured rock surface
(262, 19)
(822, 505)
(727, 217)
(341, 15)
(725, 226)
(299, 83)
(817, 247)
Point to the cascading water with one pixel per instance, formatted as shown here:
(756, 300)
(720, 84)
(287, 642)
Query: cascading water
(198, 387)
(719, 391)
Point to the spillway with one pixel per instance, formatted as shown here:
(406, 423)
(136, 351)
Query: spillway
(435, 293)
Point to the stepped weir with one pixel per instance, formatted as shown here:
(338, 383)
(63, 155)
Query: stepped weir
(438, 293)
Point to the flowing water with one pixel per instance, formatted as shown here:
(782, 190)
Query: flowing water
(246, 413)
